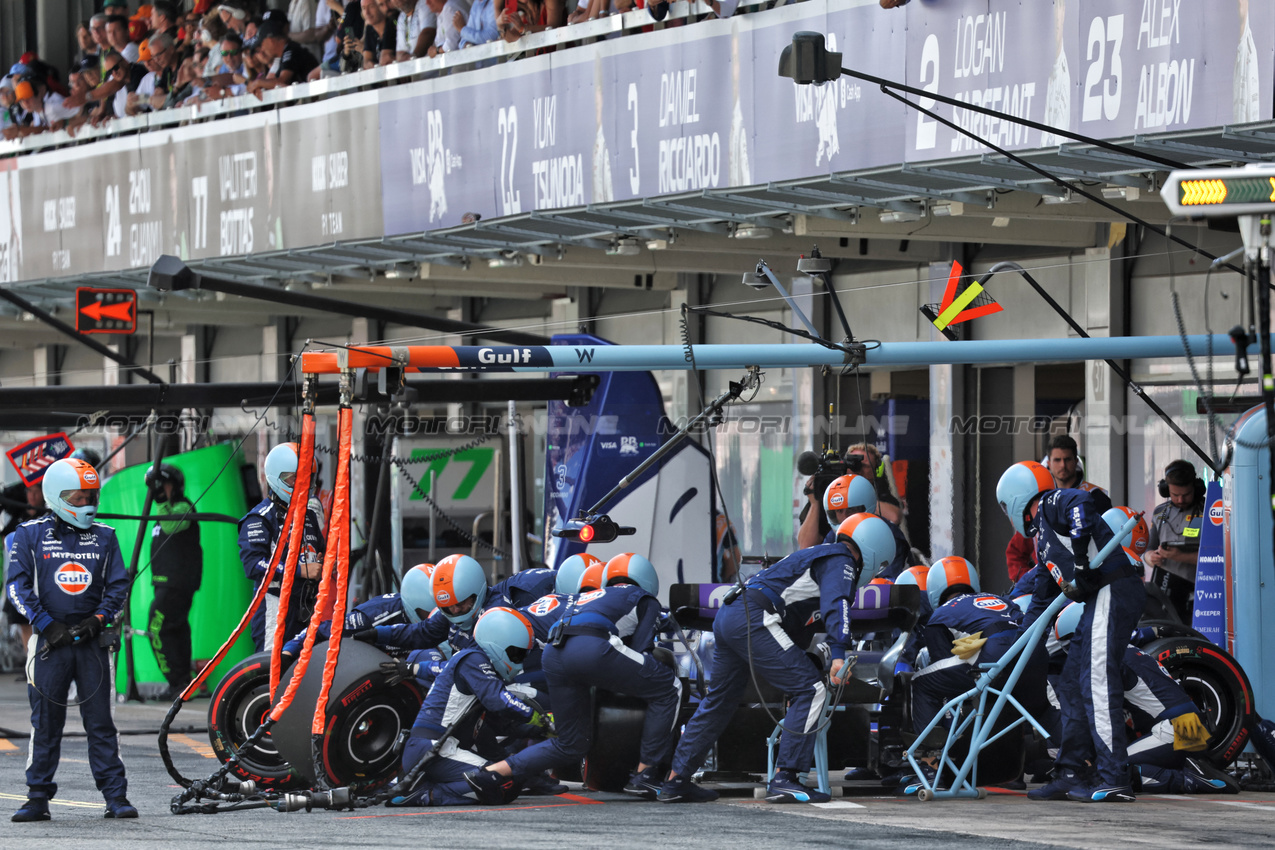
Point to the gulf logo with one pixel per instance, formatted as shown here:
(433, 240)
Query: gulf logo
(73, 578)
(836, 500)
(991, 603)
(1215, 512)
(543, 605)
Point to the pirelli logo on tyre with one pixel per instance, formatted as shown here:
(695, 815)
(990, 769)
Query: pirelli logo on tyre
(72, 578)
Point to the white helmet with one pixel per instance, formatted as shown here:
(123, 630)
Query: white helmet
(282, 461)
(60, 479)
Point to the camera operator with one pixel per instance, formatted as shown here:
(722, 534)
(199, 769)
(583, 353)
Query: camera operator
(866, 460)
(845, 496)
(177, 565)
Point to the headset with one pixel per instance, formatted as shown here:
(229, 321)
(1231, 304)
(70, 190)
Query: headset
(1176, 468)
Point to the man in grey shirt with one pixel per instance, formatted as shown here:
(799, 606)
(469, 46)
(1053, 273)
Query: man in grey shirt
(1174, 541)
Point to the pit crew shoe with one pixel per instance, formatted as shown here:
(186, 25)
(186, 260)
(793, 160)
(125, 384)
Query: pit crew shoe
(1102, 794)
(36, 808)
(859, 774)
(491, 788)
(1201, 777)
(679, 789)
(911, 783)
(784, 788)
(542, 785)
(1055, 789)
(419, 797)
(645, 784)
(119, 809)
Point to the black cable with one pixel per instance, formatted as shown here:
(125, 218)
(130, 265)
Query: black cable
(1050, 177)
(767, 322)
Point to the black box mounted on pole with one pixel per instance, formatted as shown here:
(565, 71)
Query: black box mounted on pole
(807, 60)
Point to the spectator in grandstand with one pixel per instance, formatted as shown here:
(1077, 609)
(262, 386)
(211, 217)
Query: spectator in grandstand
(159, 53)
(417, 26)
(449, 12)
(295, 62)
(84, 41)
(229, 77)
(97, 31)
(11, 113)
(211, 32)
(481, 26)
(327, 17)
(45, 106)
(115, 7)
(84, 78)
(109, 97)
(164, 18)
(380, 36)
(234, 17)
(117, 35)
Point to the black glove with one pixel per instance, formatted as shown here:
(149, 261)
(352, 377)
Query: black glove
(397, 671)
(57, 636)
(365, 635)
(90, 627)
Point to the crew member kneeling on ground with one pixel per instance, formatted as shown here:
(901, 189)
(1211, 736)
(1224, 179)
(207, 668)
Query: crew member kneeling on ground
(966, 629)
(750, 637)
(602, 639)
(476, 680)
(1092, 763)
(66, 575)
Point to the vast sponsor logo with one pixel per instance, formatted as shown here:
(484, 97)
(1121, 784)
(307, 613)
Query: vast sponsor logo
(72, 578)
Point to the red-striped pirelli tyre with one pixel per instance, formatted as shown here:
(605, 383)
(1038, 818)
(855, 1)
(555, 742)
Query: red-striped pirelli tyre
(1217, 685)
(239, 703)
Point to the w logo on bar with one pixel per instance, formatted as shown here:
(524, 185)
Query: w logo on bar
(585, 355)
(973, 302)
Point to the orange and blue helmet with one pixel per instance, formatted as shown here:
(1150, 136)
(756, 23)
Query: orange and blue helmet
(631, 568)
(947, 573)
(1019, 484)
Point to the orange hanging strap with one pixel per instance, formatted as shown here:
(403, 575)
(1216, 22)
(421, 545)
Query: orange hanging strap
(341, 527)
(298, 509)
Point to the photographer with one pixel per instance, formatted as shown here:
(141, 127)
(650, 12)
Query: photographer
(177, 566)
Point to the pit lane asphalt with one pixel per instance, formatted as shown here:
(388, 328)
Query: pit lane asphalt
(865, 818)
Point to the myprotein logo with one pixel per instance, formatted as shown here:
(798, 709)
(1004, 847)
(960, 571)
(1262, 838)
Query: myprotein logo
(72, 578)
(1215, 512)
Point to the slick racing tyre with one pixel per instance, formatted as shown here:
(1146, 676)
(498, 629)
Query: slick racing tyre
(1217, 685)
(365, 716)
(617, 733)
(1170, 629)
(239, 704)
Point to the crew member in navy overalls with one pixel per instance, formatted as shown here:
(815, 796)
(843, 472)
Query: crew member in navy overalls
(67, 576)
(848, 495)
(1168, 736)
(602, 639)
(258, 535)
(1093, 762)
(471, 703)
(411, 604)
(460, 591)
(751, 639)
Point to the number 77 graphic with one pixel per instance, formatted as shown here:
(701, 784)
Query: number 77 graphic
(479, 459)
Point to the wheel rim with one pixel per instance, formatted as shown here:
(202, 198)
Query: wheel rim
(372, 733)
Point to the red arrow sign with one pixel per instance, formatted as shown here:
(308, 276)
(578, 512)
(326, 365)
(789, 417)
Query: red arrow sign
(96, 311)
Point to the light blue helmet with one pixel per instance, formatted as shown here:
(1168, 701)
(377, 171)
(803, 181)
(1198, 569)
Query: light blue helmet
(1023, 602)
(415, 592)
(567, 581)
(1138, 538)
(457, 578)
(63, 476)
(281, 461)
(873, 541)
(1019, 484)
(1068, 620)
(853, 493)
(505, 637)
(949, 572)
(631, 568)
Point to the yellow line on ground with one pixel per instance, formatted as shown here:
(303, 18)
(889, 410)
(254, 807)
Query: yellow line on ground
(7, 746)
(72, 803)
(202, 748)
